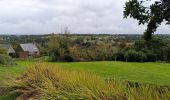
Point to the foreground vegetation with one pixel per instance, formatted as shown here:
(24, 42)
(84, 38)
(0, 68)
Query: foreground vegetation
(45, 81)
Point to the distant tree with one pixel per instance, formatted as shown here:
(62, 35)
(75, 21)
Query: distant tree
(59, 48)
(3, 51)
(139, 44)
(15, 44)
(134, 56)
(120, 56)
(53, 42)
(151, 56)
(167, 53)
(153, 50)
(74, 52)
(122, 45)
(54, 54)
(79, 40)
(152, 15)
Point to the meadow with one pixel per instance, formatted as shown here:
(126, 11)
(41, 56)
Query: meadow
(147, 73)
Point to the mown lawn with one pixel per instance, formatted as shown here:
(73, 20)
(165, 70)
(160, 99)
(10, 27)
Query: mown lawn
(152, 73)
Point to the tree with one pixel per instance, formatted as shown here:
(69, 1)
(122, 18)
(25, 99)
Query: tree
(58, 48)
(167, 53)
(74, 52)
(152, 15)
(3, 51)
(134, 56)
(53, 42)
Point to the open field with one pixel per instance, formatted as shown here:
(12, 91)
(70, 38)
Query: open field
(152, 73)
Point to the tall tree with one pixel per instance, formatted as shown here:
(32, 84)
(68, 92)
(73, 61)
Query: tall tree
(152, 15)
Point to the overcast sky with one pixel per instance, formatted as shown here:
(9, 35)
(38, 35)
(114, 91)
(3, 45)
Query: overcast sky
(81, 16)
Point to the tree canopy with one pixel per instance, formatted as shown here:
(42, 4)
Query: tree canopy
(152, 15)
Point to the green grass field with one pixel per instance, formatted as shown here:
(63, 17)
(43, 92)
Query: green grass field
(152, 73)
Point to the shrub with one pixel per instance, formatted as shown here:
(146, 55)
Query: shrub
(68, 58)
(134, 56)
(167, 53)
(3, 51)
(44, 82)
(120, 56)
(151, 56)
(6, 60)
(54, 54)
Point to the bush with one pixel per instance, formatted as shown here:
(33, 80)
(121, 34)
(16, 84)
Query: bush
(167, 53)
(44, 82)
(6, 60)
(68, 58)
(134, 56)
(3, 51)
(54, 54)
(120, 56)
(151, 56)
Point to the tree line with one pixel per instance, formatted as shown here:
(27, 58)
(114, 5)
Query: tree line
(67, 49)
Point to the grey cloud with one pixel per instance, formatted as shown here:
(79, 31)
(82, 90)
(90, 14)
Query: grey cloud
(81, 16)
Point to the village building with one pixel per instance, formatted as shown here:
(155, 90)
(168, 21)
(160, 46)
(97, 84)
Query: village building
(9, 49)
(27, 50)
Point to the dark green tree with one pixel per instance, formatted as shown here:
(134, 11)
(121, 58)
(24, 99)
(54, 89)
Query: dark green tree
(152, 15)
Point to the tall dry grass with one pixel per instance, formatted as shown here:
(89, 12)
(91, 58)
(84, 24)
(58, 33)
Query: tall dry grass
(45, 82)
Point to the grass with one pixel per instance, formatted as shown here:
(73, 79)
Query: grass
(152, 73)
(11, 72)
(14, 71)
(49, 82)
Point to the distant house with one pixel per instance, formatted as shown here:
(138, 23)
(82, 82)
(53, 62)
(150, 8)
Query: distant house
(8, 48)
(26, 50)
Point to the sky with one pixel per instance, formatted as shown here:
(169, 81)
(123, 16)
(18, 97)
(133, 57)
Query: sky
(80, 16)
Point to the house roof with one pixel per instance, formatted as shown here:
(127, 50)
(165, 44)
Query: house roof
(30, 47)
(8, 47)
